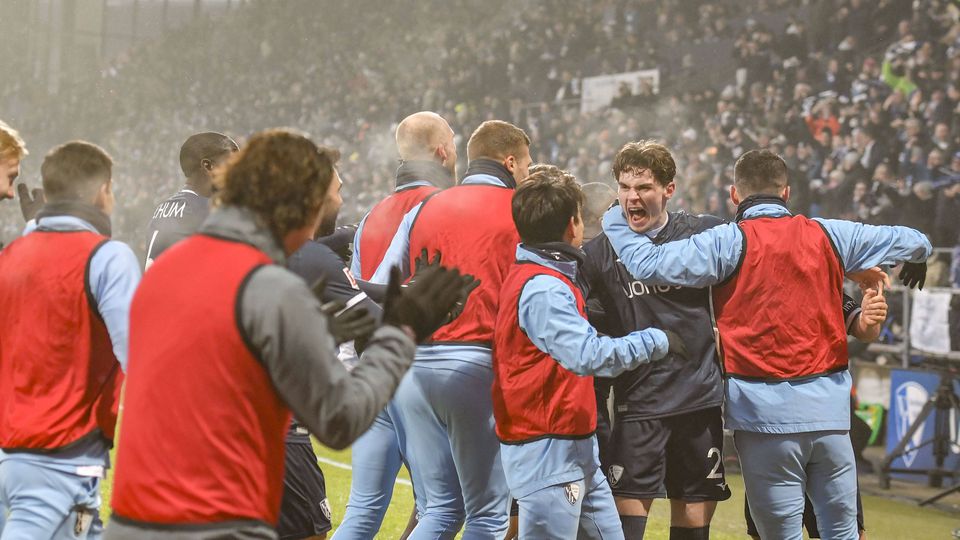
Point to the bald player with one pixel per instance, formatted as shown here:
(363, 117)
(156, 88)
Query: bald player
(182, 214)
(428, 162)
(445, 403)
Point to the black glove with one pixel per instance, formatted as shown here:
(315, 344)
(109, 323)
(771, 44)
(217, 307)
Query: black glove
(913, 274)
(423, 305)
(469, 284)
(30, 201)
(678, 346)
(344, 324)
(423, 263)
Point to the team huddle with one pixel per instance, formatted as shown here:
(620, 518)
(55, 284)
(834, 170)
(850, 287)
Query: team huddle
(545, 358)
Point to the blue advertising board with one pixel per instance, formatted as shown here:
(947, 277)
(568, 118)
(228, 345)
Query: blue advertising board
(909, 392)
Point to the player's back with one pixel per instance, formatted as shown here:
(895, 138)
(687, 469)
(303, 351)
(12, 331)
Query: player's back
(175, 219)
(472, 227)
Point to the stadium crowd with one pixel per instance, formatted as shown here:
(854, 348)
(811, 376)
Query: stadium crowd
(866, 71)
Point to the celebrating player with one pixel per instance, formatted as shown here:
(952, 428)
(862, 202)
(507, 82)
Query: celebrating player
(787, 387)
(204, 456)
(65, 292)
(429, 160)
(444, 404)
(667, 427)
(545, 355)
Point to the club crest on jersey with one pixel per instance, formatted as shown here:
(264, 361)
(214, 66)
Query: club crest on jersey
(351, 279)
(572, 491)
(616, 472)
(325, 508)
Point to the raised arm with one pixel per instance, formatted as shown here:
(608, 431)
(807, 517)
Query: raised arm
(704, 259)
(863, 246)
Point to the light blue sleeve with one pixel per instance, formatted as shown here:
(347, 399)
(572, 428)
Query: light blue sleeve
(355, 259)
(114, 276)
(704, 259)
(398, 252)
(548, 315)
(29, 227)
(865, 246)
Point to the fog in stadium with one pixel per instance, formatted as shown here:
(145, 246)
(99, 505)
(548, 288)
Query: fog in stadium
(479, 269)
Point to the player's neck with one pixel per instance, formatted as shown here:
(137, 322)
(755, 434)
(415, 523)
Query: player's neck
(201, 186)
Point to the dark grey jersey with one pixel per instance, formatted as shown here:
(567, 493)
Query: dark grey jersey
(620, 304)
(173, 220)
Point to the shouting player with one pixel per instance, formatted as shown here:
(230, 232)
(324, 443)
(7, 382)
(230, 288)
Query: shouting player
(787, 384)
(667, 430)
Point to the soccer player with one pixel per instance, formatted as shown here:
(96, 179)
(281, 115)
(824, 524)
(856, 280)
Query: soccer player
(428, 162)
(181, 215)
(864, 322)
(667, 430)
(12, 152)
(204, 457)
(787, 384)
(444, 404)
(545, 355)
(65, 293)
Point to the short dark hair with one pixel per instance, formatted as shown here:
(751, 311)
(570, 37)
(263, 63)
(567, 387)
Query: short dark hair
(200, 146)
(543, 205)
(75, 171)
(651, 155)
(760, 171)
(281, 176)
(496, 139)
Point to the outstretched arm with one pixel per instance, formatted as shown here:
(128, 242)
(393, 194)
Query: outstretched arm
(548, 315)
(704, 259)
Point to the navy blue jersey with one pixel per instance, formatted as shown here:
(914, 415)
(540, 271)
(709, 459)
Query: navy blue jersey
(173, 220)
(316, 260)
(619, 304)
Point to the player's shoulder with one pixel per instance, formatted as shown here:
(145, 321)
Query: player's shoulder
(314, 260)
(694, 223)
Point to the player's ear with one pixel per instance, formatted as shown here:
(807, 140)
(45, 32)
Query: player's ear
(510, 163)
(734, 196)
(785, 194)
(670, 189)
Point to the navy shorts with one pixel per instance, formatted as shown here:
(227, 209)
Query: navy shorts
(677, 457)
(305, 511)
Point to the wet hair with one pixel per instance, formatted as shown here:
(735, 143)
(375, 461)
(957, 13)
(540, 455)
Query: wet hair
(650, 155)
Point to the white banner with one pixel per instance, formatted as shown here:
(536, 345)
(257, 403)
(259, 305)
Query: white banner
(597, 92)
(929, 323)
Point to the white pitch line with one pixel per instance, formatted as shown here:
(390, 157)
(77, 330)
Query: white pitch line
(346, 467)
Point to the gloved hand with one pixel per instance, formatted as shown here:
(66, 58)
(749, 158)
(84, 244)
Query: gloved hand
(425, 303)
(423, 262)
(344, 324)
(678, 346)
(913, 274)
(30, 201)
